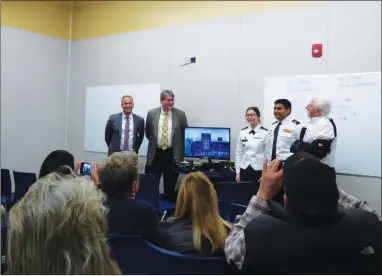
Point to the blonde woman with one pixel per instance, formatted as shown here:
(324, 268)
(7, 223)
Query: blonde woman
(59, 227)
(196, 226)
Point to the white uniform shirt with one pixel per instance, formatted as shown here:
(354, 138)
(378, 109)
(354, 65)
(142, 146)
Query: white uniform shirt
(160, 129)
(289, 131)
(250, 148)
(322, 128)
(131, 130)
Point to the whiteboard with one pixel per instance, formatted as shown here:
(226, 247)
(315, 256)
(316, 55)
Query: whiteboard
(103, 101)
(356, 110)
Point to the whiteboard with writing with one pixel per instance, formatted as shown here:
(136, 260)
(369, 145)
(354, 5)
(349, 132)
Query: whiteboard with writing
(356, 110)
(103, 101)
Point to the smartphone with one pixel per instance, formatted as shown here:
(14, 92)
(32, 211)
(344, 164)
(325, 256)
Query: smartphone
(86, 168)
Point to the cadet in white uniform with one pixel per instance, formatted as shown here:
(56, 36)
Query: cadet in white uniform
(320, 138)
(284, 132)
(250, 148)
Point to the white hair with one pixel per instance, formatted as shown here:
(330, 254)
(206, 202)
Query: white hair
(59, 227)
(322, 104)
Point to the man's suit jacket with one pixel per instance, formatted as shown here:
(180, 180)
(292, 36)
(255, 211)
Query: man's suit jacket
(113, 132)
(179, 123)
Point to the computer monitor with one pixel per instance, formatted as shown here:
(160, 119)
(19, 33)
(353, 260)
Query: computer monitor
(207, 142)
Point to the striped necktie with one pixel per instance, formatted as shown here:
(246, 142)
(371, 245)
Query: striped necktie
(127, 138)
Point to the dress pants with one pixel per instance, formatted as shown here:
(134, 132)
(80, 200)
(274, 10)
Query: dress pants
(163, 163)
(249, 174)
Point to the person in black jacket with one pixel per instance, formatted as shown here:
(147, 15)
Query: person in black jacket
(119, 180)
(316, 232)
(196, 226)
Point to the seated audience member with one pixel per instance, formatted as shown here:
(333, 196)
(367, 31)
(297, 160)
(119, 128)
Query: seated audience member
(59, 227)
(59, 161)
(119, 180)
(196, 226)
(322, 230)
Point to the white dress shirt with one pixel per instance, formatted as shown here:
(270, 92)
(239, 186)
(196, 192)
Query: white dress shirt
(250, 148)
(289, 131)
(131, 131)
(322, 128)
(160, 129)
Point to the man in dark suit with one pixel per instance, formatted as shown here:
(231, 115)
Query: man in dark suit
(165, 131)
(125, 130)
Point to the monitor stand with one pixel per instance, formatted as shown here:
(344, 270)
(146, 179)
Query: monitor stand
(210, 165)
(210, 161)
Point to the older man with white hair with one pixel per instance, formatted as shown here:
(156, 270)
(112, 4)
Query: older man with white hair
(320, 137)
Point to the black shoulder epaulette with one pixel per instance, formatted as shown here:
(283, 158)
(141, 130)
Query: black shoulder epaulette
(263, 128)
(275, 122)
(244, 128)
(296, 122)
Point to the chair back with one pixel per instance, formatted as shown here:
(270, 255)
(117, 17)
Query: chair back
(6, 186)
(235, 192)
(131, 253)
(23, 180)
(234, 209)
(148, 189)
(136, 256)
(223, 210)
(173, 263)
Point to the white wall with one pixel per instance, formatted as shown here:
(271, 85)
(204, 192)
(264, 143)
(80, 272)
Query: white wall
(233, 55)
(33, 97)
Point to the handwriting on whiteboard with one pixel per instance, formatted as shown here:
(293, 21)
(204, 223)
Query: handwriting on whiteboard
(302, 85)
(354, 81)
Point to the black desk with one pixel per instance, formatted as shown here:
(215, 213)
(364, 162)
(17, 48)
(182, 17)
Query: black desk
(228, 176)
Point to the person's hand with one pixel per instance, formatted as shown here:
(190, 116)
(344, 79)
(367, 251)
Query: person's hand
(238, 217)
(2, 209)
(237, 177)
(77, 166)
(94, 174)
(270, 180)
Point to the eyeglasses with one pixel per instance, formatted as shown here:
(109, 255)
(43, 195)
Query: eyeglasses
(250, 115)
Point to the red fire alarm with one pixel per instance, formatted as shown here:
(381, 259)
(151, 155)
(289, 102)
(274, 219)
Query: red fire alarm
(316, 50)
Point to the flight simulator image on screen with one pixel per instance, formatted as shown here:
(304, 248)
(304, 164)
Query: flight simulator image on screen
(203, 142)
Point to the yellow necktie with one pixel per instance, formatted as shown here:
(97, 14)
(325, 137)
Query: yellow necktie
(164, 132)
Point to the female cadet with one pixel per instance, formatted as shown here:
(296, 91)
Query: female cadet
(250, 148)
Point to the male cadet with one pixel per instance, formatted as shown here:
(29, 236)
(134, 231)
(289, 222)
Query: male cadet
(283, 133)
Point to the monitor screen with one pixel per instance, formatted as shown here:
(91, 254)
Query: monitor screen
(207, 142)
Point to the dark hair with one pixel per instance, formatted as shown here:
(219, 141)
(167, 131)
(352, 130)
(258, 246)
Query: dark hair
(56, 162)
(256, 110)
(286, 103)
(310, 188)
